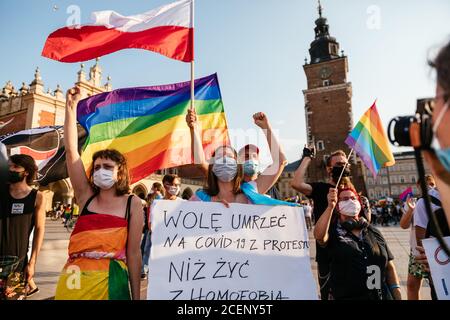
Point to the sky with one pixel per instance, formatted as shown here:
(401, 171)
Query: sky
(257, 48)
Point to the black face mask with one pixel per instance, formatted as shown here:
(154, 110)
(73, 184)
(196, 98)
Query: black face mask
(336, 172)
(14, 177)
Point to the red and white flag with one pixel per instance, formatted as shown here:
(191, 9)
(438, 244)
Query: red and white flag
(167, 30)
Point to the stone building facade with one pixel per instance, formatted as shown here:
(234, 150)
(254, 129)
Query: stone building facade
(392, 181)
(32, 106)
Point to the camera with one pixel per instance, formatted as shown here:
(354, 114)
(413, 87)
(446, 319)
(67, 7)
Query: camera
(413, 131)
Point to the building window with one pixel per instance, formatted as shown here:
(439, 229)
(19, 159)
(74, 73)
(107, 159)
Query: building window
(320, 145)
(385, 180)
(370, 181)
(402, 179)
(395, 191)
(386, 192)
(393, 179)
(371, 194)
(326, 83)
(413, 179)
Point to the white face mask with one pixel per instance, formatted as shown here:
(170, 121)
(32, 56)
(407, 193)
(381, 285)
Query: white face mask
(173, 190)
(350, 208)
(225, 169)
(104, 179)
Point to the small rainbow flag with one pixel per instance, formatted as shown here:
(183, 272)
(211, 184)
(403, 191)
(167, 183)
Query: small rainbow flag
(370, 142)
(148, 126)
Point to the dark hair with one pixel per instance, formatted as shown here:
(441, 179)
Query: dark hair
(442, 65)
(212, 186)
(334, 154)
(159, 187)
(28, 163)
(249, 148)
(187, 193)
(170, 178)
(123, 179)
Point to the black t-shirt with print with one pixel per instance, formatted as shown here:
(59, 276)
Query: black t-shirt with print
(319, 195)
(17, 220)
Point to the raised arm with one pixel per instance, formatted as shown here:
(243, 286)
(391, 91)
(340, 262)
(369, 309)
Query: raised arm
(198, 154)
(75, 167)
(321, 230)
(406, 219)
(270, 176)
(298, 182)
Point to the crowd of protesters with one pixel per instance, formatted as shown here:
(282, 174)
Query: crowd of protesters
(111, 241)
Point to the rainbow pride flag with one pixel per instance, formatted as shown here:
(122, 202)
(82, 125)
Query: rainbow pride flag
(368, 139)
(148, 126)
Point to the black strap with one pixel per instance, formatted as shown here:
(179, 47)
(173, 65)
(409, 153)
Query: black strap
(83, 212)
(436, 201)
(127, 212)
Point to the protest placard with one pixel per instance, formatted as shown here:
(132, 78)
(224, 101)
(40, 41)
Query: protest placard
(205, 251)
(439, 266)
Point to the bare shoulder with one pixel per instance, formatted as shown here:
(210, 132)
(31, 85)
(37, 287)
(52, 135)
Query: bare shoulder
(40, 198)
(136, 203)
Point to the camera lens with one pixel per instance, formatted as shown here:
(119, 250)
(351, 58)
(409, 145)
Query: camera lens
(398, 131)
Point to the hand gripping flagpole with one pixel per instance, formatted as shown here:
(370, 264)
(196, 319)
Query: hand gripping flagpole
(343, 169)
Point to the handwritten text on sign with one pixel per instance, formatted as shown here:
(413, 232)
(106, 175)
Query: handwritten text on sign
(439, 266)
(205, 251)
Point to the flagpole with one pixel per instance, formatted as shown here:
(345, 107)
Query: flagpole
(343, 169)
(192, 62)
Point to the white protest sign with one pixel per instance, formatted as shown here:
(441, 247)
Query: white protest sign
(205, 251)
(439, 266)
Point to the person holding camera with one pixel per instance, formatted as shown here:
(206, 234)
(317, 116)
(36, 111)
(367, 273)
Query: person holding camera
(439, 157)
(361, 264)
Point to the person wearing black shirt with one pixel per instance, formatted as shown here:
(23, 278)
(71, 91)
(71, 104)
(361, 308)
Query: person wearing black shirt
(22, 208)
(318, 192)
(361, 264)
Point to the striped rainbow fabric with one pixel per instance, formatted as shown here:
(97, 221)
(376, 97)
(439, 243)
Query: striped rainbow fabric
(368, 139)
(148, 126)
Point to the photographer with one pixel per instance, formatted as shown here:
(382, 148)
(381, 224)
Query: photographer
(439, 160)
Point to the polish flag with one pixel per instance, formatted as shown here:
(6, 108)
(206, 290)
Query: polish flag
(167, 30)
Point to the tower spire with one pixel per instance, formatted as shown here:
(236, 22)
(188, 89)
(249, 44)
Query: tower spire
(324, 47)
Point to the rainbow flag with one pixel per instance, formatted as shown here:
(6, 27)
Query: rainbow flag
(148, 125)
(368, 139)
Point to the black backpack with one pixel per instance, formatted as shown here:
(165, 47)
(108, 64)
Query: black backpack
(441, 220)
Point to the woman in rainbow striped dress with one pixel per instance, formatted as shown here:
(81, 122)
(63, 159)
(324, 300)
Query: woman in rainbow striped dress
(104, 251)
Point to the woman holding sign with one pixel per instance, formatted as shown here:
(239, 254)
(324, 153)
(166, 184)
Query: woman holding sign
(225, 176)
(104, 248)
(361, 266)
